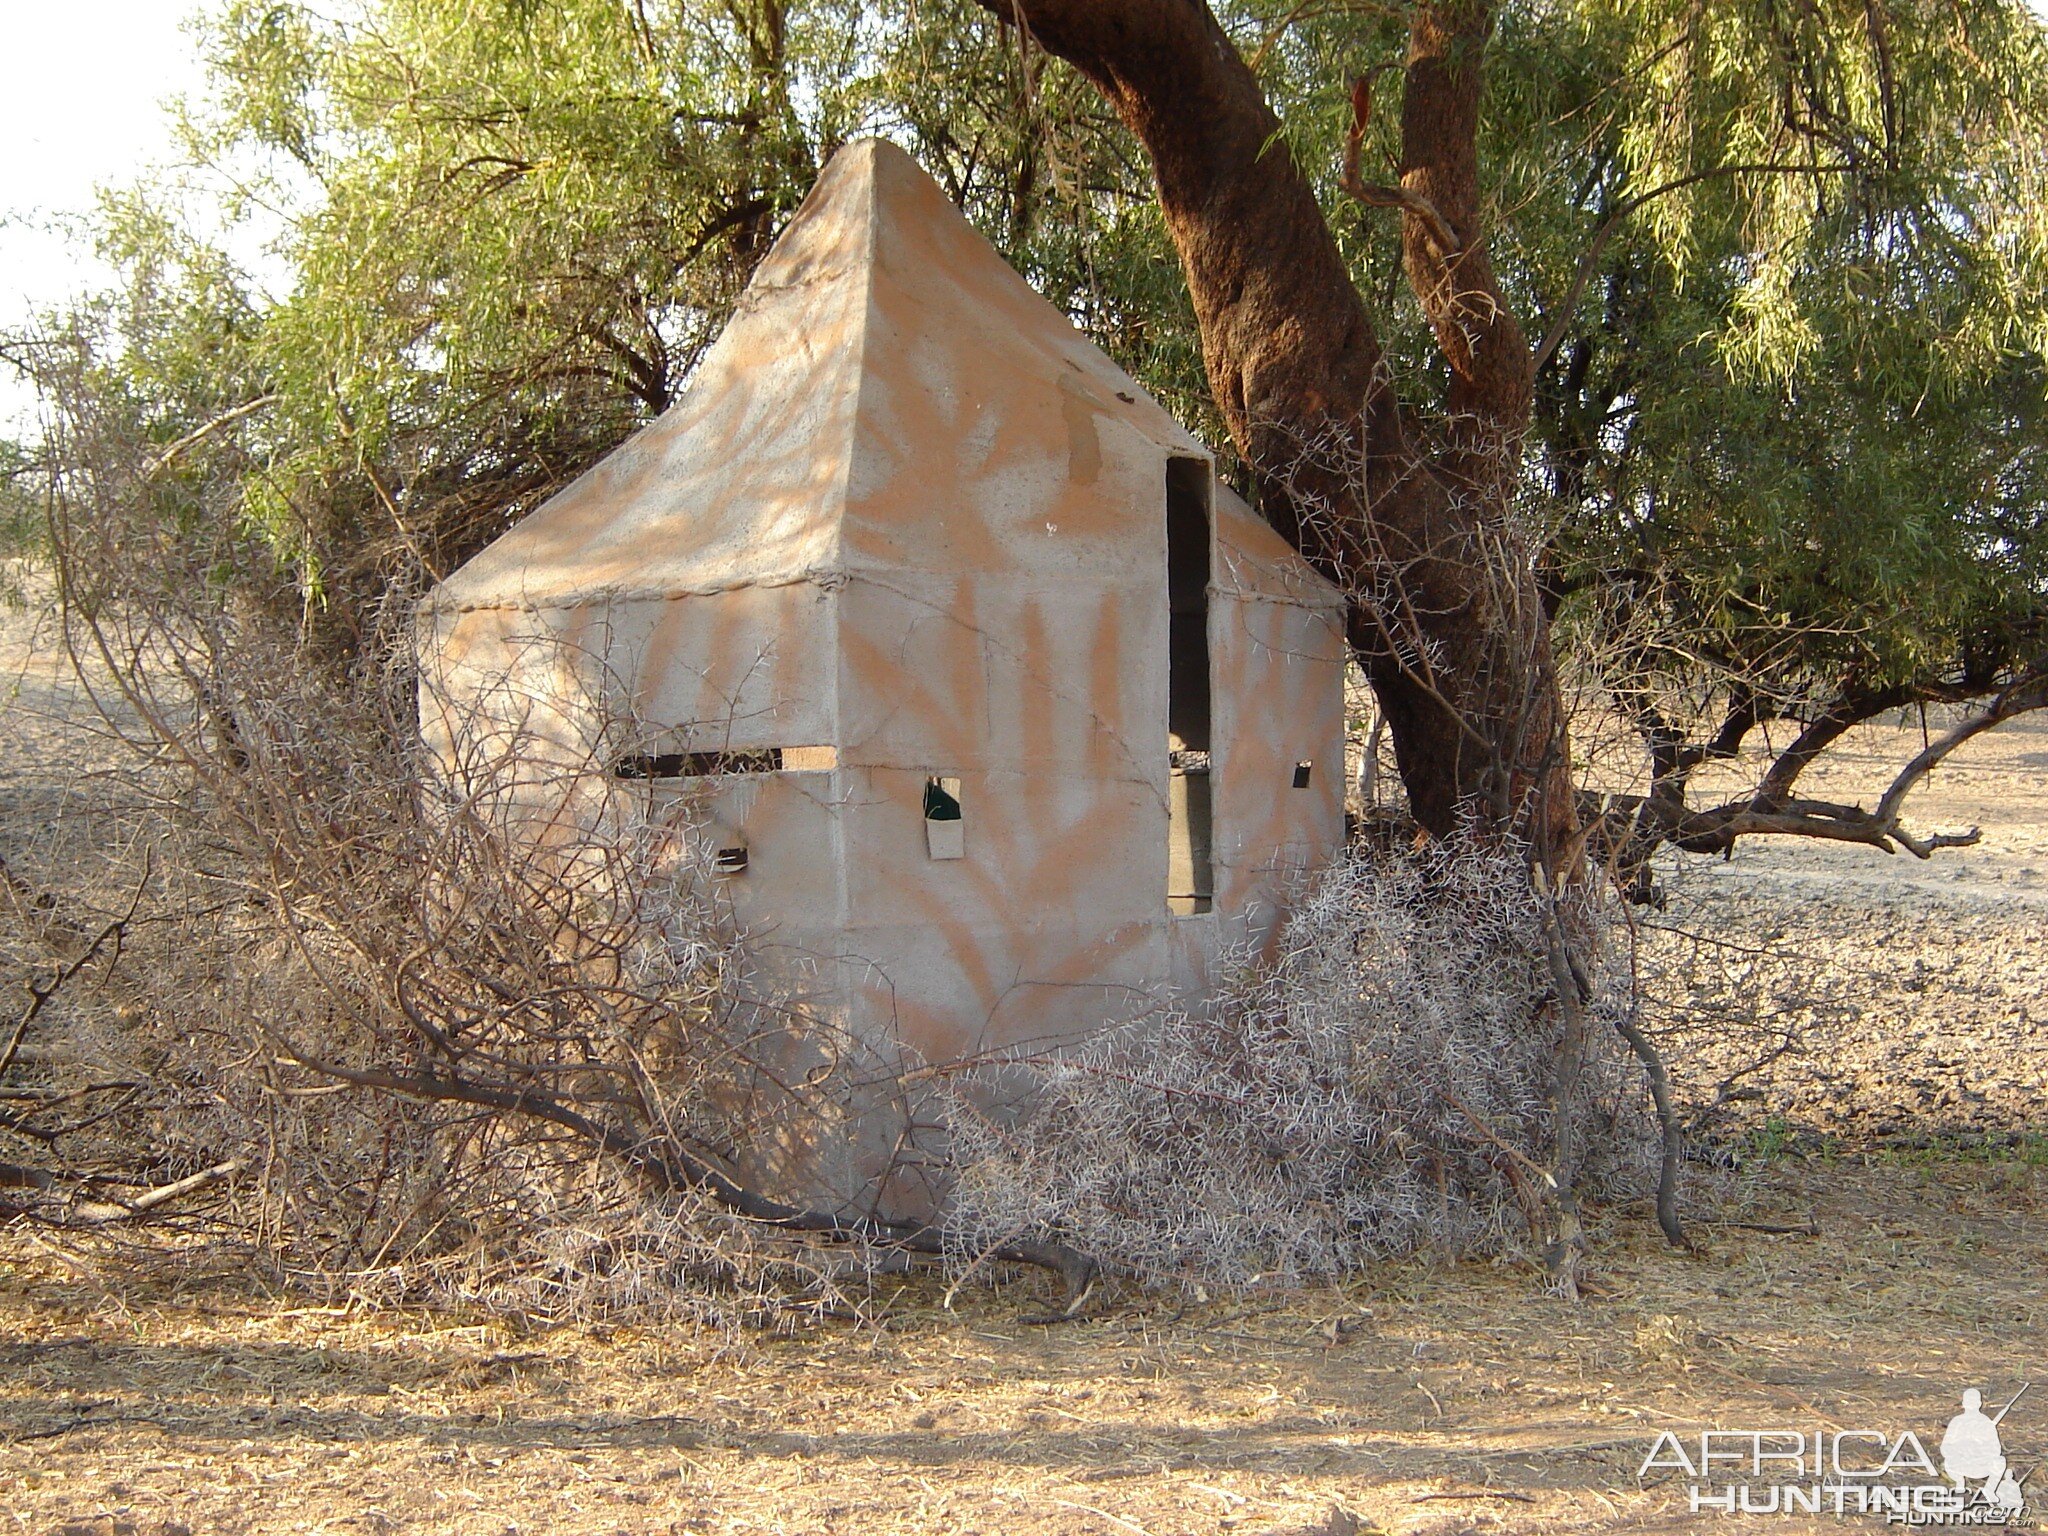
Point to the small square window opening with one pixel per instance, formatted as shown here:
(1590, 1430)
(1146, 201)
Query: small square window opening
(945, 831)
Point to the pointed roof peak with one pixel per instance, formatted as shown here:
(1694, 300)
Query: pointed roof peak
(883, 371)
(872, 155)
(881, 169)
(864, 184)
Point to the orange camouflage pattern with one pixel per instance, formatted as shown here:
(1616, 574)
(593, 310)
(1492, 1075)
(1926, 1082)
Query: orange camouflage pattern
(907, 512)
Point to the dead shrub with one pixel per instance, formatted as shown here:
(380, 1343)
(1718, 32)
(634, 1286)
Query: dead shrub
(418, 1053)
(1386, 1082)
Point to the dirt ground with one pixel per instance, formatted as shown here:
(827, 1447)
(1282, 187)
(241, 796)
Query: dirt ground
(1461, 1398)
(1900, 1144)
(1917, 990)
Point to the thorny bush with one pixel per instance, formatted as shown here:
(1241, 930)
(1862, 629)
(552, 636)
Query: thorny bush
(409, 1052)
(1375, 1088)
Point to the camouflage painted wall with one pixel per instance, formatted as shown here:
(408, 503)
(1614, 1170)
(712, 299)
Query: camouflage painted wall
(909, 525)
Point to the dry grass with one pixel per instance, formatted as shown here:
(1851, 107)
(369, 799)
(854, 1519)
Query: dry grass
(1422, 1398)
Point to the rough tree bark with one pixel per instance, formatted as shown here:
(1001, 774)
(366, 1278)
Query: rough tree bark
(1409, 517)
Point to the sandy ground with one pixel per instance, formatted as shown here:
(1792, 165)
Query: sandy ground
(1463, 1399)
(1917, 989)
(1423, 1397)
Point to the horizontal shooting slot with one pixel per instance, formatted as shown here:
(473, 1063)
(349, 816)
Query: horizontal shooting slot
(704, 765)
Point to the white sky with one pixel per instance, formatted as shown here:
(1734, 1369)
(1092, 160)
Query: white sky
(82, 108)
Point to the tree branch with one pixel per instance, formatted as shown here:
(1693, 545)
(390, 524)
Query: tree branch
(1857, 704)
(676, 1171)
(1377, 196)
(1554, 334)
(2021, 698)
(1492, 376)
(193, 439)
(1714, 831)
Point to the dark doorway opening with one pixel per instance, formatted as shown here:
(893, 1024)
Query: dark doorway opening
(1189, 887)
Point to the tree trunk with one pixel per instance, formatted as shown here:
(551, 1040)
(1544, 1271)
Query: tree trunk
(1412, 518)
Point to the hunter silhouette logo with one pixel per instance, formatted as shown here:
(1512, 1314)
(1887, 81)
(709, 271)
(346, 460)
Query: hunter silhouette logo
(1972, 1452)
(1853, 1471)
